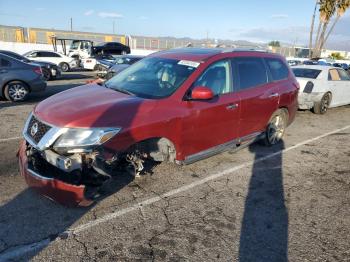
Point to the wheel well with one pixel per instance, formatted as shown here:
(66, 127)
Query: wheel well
(14, 80)
(158, 148)
(64, 63)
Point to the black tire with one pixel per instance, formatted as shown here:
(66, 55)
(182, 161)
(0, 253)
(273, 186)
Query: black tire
(64, 67)
(109, 75)
(47, 74)
(276, 127)
(16, 91)
(97, 68)
(322, 106)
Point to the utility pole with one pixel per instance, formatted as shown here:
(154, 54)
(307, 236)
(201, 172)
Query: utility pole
(71, 24)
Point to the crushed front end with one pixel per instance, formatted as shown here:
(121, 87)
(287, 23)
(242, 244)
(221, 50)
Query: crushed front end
(67, 165)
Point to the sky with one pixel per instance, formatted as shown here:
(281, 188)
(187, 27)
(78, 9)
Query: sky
(253, 20)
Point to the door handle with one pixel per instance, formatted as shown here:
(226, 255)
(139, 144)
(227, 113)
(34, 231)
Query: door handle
(273, 95)
(231, 106)
(3, 71)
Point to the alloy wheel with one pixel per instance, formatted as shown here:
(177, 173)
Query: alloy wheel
(325, 103)
(276, 129)
(17, 91)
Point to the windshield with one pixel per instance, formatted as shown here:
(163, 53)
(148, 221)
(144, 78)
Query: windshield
(152, 77)
(306, 72)
(74, 45)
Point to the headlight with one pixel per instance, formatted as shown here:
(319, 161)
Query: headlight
(82, 138)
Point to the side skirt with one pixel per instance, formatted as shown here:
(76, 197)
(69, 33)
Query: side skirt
(232, 146)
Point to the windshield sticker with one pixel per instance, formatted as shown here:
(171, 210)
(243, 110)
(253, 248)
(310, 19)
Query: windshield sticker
(189, 63)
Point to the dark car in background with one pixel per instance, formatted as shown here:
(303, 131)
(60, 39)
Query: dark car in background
(342, 65)
(122, 63)
(113, 48)
(50, 70)
(18, 79)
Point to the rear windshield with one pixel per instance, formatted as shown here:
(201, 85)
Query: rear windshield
(306, 72)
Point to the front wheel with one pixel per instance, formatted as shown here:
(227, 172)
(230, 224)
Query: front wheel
(16, 91)
(322, 106)
(276, 127)
(64, 67)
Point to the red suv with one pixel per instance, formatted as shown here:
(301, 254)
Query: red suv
(180, 105)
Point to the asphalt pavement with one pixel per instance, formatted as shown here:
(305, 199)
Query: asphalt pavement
(289, 202)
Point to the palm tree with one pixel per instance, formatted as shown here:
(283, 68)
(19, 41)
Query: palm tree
(312, 28)
(328, 8)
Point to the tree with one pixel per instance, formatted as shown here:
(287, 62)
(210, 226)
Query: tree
(274, 43)
(327, 10)
(336, 56)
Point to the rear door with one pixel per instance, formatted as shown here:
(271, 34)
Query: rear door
(259, 98)
(214, 122)
(345, 86)
(336, 87)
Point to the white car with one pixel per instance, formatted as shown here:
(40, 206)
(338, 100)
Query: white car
(64, 62)
(322, 87)
(93, 63)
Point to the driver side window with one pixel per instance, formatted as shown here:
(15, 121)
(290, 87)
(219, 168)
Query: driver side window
(217, 78)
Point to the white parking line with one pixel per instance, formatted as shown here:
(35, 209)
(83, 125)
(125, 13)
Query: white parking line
(10, 138)
(31, 248)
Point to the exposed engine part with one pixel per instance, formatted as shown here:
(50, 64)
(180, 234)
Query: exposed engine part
(136, 161)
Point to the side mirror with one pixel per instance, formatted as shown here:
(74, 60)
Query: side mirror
(202, 93)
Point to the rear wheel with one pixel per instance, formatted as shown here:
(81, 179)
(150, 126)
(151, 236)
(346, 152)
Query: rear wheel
(16, 91)
(276, 127)
(322, 106)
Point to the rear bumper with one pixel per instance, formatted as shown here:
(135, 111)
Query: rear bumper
(38, 85)
(54, 189)
(307, 101)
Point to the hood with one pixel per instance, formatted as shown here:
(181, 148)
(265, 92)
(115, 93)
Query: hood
(118, 68)
(105, 62)
(93, 106)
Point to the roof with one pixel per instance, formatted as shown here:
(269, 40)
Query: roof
(316, 67)
(197, 54)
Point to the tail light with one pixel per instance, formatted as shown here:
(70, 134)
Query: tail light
(38, 70)
(88, 61)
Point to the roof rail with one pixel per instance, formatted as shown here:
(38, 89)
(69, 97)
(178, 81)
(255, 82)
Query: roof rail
(229, 50)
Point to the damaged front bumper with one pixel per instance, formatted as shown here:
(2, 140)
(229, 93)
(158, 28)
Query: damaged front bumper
(46, 184)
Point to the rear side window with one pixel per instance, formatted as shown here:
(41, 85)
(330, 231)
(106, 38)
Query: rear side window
(333, 75)
(278, 69)
(306, 72)
(48, 54)
(251, 72)
(5, 63)
(344, 76)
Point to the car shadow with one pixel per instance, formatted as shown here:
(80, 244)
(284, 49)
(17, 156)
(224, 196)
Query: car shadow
(35, 98)
(73, 76)
(264, 231)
